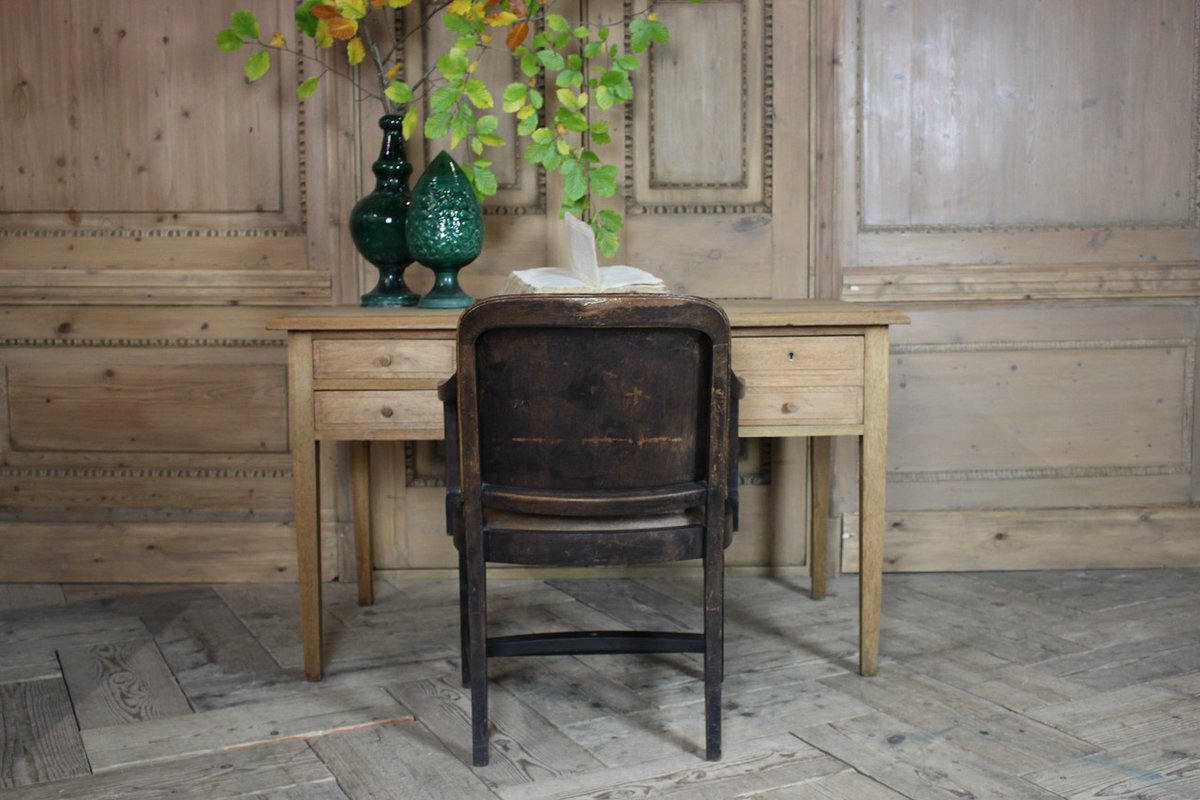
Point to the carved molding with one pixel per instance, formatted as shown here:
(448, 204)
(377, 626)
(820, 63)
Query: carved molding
(1113, 471)
(44, 342)
(766, 118)
(143, 472)
(951, 228)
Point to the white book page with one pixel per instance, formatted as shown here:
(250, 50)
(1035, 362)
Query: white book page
(582, 242)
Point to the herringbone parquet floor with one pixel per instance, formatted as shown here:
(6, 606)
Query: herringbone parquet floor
(998, 686)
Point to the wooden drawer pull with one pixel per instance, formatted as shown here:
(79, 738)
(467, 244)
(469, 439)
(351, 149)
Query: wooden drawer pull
(790, 408)
(387, 411)
(385, 361)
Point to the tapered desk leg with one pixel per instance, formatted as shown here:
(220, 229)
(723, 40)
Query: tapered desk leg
(360, 490)
(308, 555)
(304, 486)
(872, 482)
(821, 481)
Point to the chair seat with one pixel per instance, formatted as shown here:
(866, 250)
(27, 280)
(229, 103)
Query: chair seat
(510, 520)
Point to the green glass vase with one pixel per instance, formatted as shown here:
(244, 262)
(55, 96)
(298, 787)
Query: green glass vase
(445, 230)
(377, 222)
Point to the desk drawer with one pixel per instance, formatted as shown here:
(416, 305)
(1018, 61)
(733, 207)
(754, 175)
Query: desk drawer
(382, 359)
(415, 414)
(800, 380)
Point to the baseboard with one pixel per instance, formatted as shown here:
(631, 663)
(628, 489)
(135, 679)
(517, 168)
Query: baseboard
(959, 541)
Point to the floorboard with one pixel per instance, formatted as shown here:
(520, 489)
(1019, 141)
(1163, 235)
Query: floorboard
(1075, 685)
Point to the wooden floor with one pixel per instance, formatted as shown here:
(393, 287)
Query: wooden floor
(1012, 686)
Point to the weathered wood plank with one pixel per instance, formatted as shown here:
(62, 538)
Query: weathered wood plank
(39, 740)
(122, 683)
(746, 769)
(398, 761)
(24, 595)
(274, 768)
(303, 717)
(1145, 772)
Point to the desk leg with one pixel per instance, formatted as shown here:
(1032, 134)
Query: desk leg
(872, 462)
(360, 492)
(821, 480)
(308, 553)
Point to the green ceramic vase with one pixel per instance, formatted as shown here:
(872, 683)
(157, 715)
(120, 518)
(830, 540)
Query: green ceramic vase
(445, 230)
(377, 222)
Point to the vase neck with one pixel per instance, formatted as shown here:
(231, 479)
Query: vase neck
(391, 169)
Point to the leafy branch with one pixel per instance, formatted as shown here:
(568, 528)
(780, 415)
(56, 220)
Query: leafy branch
(590, 72)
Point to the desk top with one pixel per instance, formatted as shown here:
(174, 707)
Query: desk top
(742, 314)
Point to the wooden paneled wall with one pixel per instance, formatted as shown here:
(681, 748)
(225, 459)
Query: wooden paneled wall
(1022, 176)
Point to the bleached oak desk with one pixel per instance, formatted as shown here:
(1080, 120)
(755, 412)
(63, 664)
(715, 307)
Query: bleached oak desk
(811, 368)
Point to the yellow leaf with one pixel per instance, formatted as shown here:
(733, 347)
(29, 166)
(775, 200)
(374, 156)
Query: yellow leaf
(460, 7)
(652, 16)
(398, 3)
(393, 71)
(485, 37)
(525, 111)
(353, 9)
(277, 40)
(322, 37)
(500, 19)
(342, 28)
(356, 51)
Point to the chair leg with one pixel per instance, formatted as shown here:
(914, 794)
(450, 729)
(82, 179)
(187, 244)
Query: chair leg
(477, 655)
(464, 639)
(714, 650)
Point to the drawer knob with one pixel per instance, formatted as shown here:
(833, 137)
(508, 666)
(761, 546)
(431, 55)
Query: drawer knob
(385, 361)
(387, 411)
(790, 408)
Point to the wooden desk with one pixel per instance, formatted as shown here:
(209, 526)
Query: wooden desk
(812, 368)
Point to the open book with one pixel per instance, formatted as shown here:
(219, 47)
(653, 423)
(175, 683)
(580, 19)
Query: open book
(585, 274)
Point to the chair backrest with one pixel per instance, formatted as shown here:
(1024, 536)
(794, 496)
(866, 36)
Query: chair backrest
(597, 393)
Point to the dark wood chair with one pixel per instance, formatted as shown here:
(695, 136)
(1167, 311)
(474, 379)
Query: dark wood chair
(591, 430)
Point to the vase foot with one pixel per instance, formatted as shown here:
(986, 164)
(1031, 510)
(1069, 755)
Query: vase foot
(377, 300)
(446, 299)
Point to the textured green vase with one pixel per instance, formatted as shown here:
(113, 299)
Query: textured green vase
(377, 222)
(445, 230)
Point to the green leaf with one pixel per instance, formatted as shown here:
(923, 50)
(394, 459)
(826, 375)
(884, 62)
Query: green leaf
(569, 77)
(492, 140)
(582, 32)
(575, 180)
(476, 145)
(307, 87)
(478, 94)
(604, 180)
(409, 124)
(552, 161)
(306, 21)
(563, 148)
(604, 98)
(535, 98)
(538, 152)
(527, 126)
(627, 62)
(444, 98)
(659, 33)
(258, 65)
(639, 35)
(589, 157)
(550, 60)
(399, 92)
(489, 123)
(228, 41)
(542, 135)
(460, 127)
(244, 24)
(568, 98)
(592, 49)
(608, 220)
(531, 65)
(571, 120)
(514, 97)
(458, 24)
(557, 23)
(466, 42)
(485, 180)
(453, 63)
(438, 125)
(607, 243)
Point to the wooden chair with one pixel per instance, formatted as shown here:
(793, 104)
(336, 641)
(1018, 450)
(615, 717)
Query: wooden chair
(591, 430)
